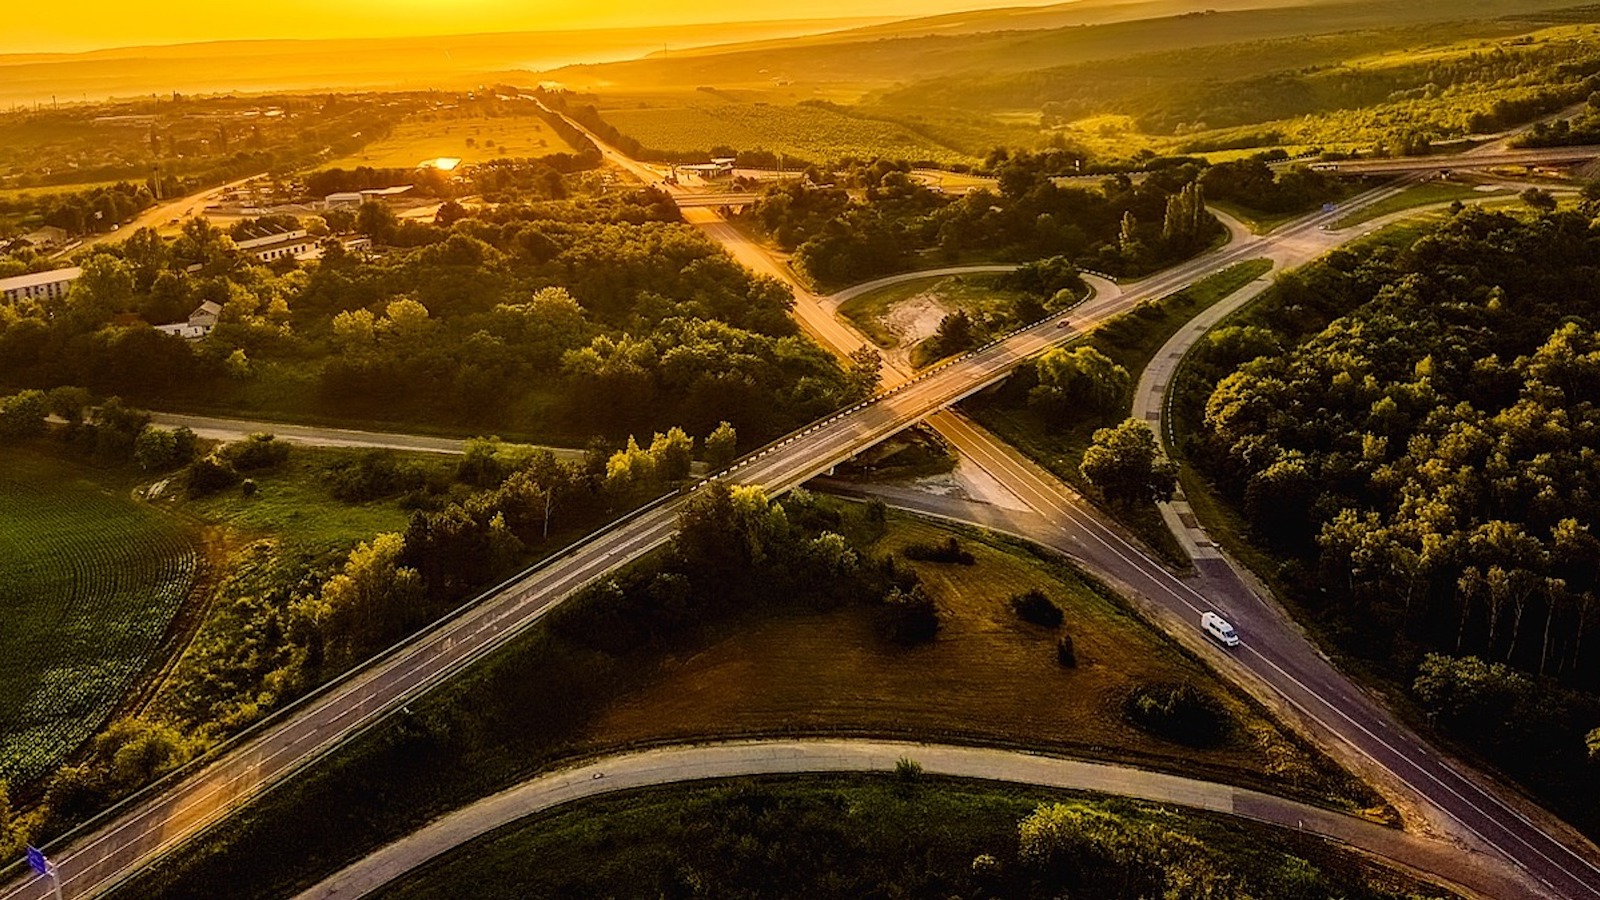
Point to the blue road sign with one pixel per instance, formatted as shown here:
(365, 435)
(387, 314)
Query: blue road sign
(38, 862)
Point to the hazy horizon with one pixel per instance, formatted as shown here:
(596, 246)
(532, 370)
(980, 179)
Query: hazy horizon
(38, 30)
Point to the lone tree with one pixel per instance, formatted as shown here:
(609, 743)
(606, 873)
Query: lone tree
(1125, 465)
(1082, 376)
(722, 447)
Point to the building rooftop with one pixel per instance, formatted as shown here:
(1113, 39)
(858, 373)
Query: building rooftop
(37, 278)
(270, 239)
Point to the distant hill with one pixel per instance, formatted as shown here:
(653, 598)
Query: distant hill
(999, 42)
(456, 61)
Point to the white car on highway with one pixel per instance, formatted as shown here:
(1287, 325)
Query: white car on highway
(1219, 629)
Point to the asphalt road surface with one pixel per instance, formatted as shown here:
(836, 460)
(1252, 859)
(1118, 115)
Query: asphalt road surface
(1277, 656)
(218, 428)
(1461, 161)
(697, 762)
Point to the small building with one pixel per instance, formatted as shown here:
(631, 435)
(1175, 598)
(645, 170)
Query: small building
(342, 200)
(184, 330)
(717, 168)
(200, 322)
(294, 244)
(50, 285)
(206, 315)
(48, 237)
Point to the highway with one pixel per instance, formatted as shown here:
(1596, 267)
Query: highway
(98, 857)
(160, 215)
(1404, 165)
(185, 804)
(685, 763)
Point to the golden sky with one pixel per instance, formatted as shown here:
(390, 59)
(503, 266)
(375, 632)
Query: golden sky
(91, 24)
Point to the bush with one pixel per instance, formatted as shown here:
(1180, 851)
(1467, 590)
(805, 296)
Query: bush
(1178, 712)
(907, 769)
(950, 551)
(1035, 607)
(1066, 654)
(22, 415)
(258, 451)
(157, 449)
(209, 475)
(372, 476)
(908, 617)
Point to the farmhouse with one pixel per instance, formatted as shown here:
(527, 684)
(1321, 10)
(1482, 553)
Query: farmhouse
(50, 285)
(200, 322)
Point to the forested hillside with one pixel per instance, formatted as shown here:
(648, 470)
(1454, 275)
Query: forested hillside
(1118, 227)
(1419, 434)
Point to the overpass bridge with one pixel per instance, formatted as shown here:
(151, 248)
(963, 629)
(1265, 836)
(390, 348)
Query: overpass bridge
(1550, 156)
(690, 200)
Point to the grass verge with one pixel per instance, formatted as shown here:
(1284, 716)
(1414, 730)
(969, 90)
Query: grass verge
(908, 312)
(1426, 194)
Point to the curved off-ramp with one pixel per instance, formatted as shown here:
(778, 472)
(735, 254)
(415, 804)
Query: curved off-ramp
(697, 762)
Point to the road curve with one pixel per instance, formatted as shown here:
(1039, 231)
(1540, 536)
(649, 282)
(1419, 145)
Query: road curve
(834, 301)
(699, 762)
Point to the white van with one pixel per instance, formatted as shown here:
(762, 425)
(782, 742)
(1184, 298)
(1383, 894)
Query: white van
(1219, 629)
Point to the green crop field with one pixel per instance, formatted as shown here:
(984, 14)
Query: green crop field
(89, 582)
(471, 139)
(812, 133)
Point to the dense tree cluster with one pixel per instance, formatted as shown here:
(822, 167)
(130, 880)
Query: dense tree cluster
(568, 318)
(1427, 452)
(1583, 128)
(1119, 227)
(1252, 183)
(107, 431)
(96, 209)
(737, 549)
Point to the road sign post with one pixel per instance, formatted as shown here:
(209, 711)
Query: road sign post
(41, 865)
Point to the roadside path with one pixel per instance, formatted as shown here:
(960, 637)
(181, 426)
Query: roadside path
(691, 763)
(218, 428)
